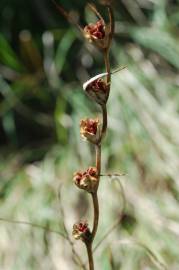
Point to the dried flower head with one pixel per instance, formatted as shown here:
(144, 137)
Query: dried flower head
(81, 231)
(97, 33)
(87, 180)
(97, 89)
(90, 130)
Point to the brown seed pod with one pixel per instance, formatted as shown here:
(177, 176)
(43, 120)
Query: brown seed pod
(97, 33)
(87, 180)
(90, 130)
(97, 89)
(81, 231)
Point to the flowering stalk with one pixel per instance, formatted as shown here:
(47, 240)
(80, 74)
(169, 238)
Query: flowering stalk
(98, 90)
(100, 34)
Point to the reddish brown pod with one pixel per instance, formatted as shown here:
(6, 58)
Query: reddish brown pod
(81, 231)
(97, 89)
(90, 130)
(87, 180)
(97, 33)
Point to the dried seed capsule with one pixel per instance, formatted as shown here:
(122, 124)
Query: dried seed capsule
(97, 33)
(81, 231)
(90, 130)
(87, 180)
(97, 89)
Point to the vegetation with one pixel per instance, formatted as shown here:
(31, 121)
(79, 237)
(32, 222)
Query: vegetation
(43, 63)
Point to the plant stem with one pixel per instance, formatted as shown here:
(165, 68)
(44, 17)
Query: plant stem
(90, 256)
(96, 215)
(98, 166)
(112, 26)
(37, 226)
(107, 65)
(105, 121)
(106, 50)
(67, 15)
(98, 145)
(95, 195)
(98, 158)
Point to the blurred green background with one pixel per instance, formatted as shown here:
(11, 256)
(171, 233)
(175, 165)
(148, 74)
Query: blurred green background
(43, 63)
